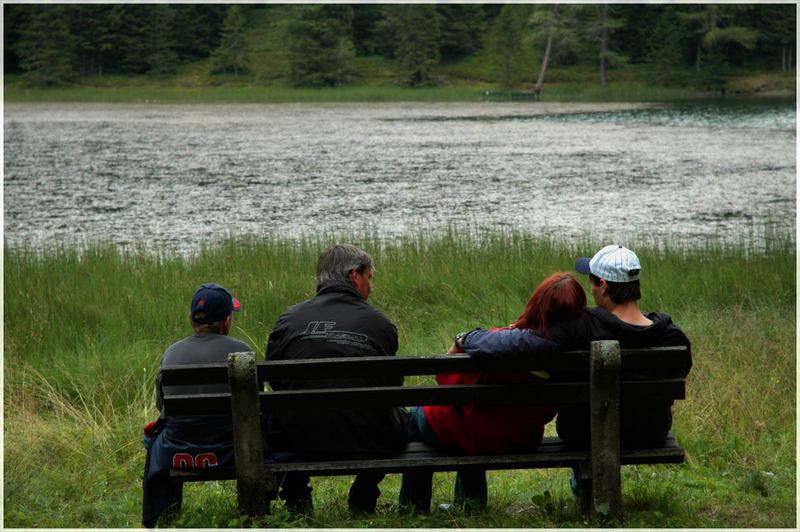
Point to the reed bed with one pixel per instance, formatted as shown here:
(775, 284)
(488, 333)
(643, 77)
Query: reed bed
(84, 330)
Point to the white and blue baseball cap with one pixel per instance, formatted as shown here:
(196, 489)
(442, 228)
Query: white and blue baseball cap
(613, 263)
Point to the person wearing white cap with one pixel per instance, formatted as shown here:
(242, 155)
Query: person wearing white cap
(614, 275)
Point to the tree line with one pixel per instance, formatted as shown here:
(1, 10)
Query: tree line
(318, 45)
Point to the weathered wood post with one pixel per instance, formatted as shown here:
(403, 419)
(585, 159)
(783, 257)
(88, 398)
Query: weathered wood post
(251, 482)
(604, 371)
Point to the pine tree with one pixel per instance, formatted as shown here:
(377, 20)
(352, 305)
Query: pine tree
(91, 26)
(233, 49)
(320, 46)
(417, 48)
(460, 29)
(557, 22)
(162, 58)
(668, 43)
(46, 47)
(505, 40)
(713, 30)
(777, 25)
(597, 27)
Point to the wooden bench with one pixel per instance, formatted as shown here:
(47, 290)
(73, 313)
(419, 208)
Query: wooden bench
(600, 388)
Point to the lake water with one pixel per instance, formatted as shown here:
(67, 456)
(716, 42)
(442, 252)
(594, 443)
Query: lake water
(174, 176)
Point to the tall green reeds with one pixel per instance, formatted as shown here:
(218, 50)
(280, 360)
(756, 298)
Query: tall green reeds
(84, 331)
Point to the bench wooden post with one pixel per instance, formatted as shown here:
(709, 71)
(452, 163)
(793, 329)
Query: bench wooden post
(604, 370)
(252, 484)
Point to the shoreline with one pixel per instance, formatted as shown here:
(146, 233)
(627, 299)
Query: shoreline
(176, 92)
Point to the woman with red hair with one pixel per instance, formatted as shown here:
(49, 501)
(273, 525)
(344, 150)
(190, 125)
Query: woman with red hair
(491, 429)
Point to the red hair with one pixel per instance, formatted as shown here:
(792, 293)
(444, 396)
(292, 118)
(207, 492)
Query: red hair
(559, 297)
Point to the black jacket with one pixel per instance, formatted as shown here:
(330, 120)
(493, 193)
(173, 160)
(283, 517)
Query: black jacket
(338, 322)
(642, 422)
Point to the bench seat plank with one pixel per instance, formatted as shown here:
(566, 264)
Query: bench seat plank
(552, 452)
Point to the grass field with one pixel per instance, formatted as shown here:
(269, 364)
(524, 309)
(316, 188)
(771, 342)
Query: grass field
(84, 331)
(246, 93)
(379, 84)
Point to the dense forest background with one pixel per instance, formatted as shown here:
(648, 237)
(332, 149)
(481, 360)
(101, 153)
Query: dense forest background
(415, 45)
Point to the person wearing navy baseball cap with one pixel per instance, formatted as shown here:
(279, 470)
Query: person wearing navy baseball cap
(614, 278)
(212, 303)
(210, 315)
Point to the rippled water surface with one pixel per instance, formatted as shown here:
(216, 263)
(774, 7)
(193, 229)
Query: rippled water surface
(176, 176)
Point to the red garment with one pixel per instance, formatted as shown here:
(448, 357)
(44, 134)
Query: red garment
(489, 429)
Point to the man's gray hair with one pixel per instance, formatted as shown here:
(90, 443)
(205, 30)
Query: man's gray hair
(336, 263)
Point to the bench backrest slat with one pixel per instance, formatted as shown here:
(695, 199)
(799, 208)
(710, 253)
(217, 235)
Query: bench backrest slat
(197, 404)
(490, 394)
(408, 365)
(494, 394)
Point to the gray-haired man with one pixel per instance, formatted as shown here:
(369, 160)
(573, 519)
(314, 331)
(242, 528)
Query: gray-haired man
(337, 322)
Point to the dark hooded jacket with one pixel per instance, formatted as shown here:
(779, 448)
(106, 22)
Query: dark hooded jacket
(642, 422)
(338, 322)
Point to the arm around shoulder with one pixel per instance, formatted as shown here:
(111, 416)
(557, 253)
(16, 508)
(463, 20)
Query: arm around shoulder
(505, 343)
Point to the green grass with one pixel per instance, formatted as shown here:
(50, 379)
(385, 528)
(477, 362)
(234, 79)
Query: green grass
(242, 93)
(376, 80)
(84, 331)
(254, 93)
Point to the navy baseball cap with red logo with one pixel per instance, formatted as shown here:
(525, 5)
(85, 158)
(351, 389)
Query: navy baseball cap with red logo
(215, 301)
